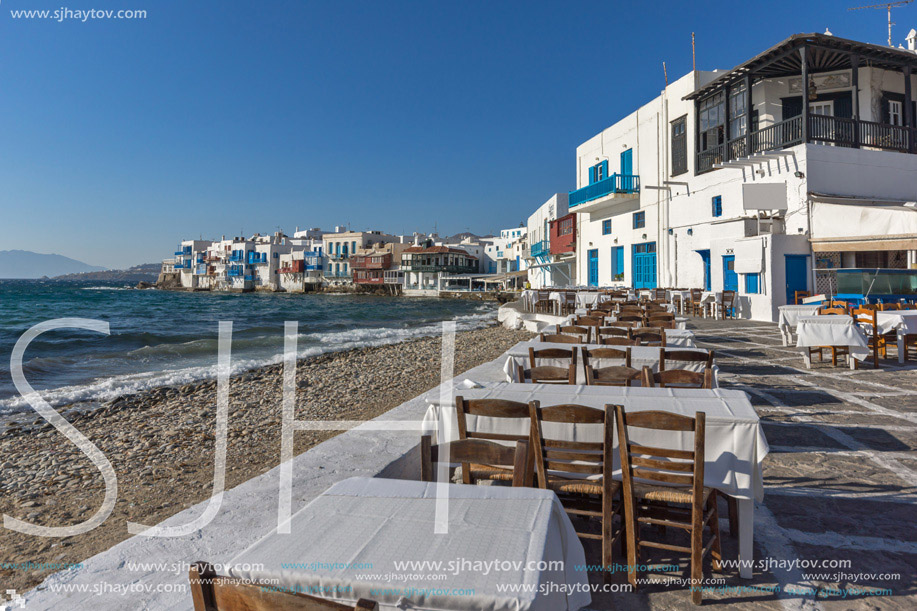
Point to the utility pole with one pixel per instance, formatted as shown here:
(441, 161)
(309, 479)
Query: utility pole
(888, 6)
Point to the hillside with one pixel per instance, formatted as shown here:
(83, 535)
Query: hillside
(24, 264)
(147, 272)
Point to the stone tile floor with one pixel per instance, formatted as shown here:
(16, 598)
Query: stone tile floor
(840, 483)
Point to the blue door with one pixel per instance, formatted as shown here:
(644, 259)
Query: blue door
(617, 263)
(705, 257)
(644, 265)
(594, 267)
(797, 275)
(627, 170)
(730, 278)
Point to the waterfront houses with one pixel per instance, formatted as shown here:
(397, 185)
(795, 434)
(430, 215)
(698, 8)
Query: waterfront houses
(341, 244)
(548, 268)
(424, 265)
(794, 171)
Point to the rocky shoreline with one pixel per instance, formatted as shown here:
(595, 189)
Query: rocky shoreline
(161, 442)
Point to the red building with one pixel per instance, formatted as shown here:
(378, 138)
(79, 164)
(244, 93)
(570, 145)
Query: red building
(370, 268)
(563, 235)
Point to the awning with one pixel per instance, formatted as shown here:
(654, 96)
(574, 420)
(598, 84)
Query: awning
(856, 227)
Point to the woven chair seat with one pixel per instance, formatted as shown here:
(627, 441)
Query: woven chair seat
(668, 494)
(490, 472)
(580, 486)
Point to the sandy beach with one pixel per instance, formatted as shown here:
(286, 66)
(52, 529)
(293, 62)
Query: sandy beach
(161, 442)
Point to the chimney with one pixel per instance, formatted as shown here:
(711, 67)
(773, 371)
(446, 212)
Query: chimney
(912, 40)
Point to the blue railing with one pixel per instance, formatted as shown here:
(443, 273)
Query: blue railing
(616, 183)
(541, 249)
(179, 253)
(237, 256)
(201, 270)
(313, 268)
(235, 272)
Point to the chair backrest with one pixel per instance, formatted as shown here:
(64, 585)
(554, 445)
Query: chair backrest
(865, 316)
(626, 324)
(212, 592)
(678, 378)
(826, 311)
(618, 331)
(839, 303)
(908, 306)
(573, 459)
(478, 451)
(658, 293)
(660, 316)
(618, 341)
(606, 353)
(799, 295)
(729, 297)
(696, 294)
(553, 353)
(649, 335)
(575, 330)
(662, 324)
(660, 464)
(556, 338)
(684, 356)
(882, 306)
(589, 321)
(629, 318)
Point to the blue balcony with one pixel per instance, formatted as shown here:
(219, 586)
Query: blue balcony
(235, 272)
(616, 184)
(179, 253)
(541, 249)
(313, 268)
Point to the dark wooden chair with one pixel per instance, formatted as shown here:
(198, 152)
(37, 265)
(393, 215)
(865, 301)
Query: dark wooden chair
(612, 332)
(550, 374)
(684, 356)
(634, 318)
(798, 296)
(476, 452)
(492, 408)
(695, 303)
(555, 338)
(662, 324)
(649, 336)
(581, 332)
(678, 378)
(616, 375)
(619, 341)
(659, 294)
(877, 342)
(670, 491)
(544, 306)
(727, 305)
(579, 472)
(212, 592)
(589, 321)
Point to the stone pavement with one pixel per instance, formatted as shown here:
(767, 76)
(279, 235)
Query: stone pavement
(840, 483)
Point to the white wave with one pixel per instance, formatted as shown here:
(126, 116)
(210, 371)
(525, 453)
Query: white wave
(108, 388)
(107, 288)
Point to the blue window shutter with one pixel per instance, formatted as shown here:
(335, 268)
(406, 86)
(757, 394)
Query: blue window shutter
(605, 168)
(591, 175)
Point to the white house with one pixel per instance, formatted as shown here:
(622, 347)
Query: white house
(544, 268)
(341, 244)
(727, 180)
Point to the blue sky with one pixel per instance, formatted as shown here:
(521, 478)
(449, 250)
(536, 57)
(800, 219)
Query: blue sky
(120, 137)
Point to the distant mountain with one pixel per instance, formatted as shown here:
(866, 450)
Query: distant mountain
(16, 264)
(148, 272)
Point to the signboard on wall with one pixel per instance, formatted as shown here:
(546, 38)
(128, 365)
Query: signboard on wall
(764, 196)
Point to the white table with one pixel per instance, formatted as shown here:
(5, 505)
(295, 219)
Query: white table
(560, 299)
(788, 318)
(363, 526)
(902, 322)
(640, 357)
(588, 300)
(735, 444)
(831, 330)
(680, 296)
(674, 338)
(681, 323)
(710, 299)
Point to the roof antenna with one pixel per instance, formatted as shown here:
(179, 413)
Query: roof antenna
(693, 54)
(665, 73)
(888, 6)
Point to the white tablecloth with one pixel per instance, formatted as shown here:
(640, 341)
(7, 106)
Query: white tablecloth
(788, 318)
(588, 300)
(640, 357)
(681, 323)
(735, 444)
(902, 321)
(833, 330)
(371, 524)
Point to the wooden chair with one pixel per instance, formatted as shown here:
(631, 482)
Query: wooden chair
(589, 321)
(569, 303)
(695, 303)
(838, 303)
(616, 375)
(727, 305)
(576, 471)
(832, 311)
(212, 592)
(618, 341)
(836, 351)
(583, 333)
(637, 318)
(550, 374)
(685, 356)
(662, 324)
(556, 338)
(649, 336)
(798, 296)
(866, 320)
(492, 408)
(671, 492)
(660, 315)
(477, 452)
(626, 324)
(544, 306)
(678, 378)
(612, 331)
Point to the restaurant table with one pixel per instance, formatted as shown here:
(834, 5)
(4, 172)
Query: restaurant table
(681, 323)
(831, 330)
(710, 299)
(901, 322)
(374, 523)
(588, 299)
(788, 318)
(734, 448)
(640, 357)
(674, 338)
(560, 299)
(681, 297)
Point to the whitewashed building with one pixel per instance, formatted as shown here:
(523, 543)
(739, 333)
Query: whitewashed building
(727, 180)
(544, 268)
(341, 244)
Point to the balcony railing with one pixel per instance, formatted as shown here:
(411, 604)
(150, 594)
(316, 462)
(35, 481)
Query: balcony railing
(823, 129)
(449, 269)
(614, 184)
(541, 249)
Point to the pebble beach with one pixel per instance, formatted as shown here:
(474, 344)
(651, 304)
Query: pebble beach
(161, 442)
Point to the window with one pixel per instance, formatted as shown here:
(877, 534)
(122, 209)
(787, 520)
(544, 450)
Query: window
(617, 263)
(822, 108)
(606, 227)
(598, 172)
(717, 205)
(565, 227)
(752, 282)
(679, 147)
(639, 220)
(737, 112)
(712, 117)
(894, 112)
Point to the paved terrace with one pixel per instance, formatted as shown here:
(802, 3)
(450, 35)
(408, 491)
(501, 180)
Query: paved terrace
(840, 486)
(839, 482)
